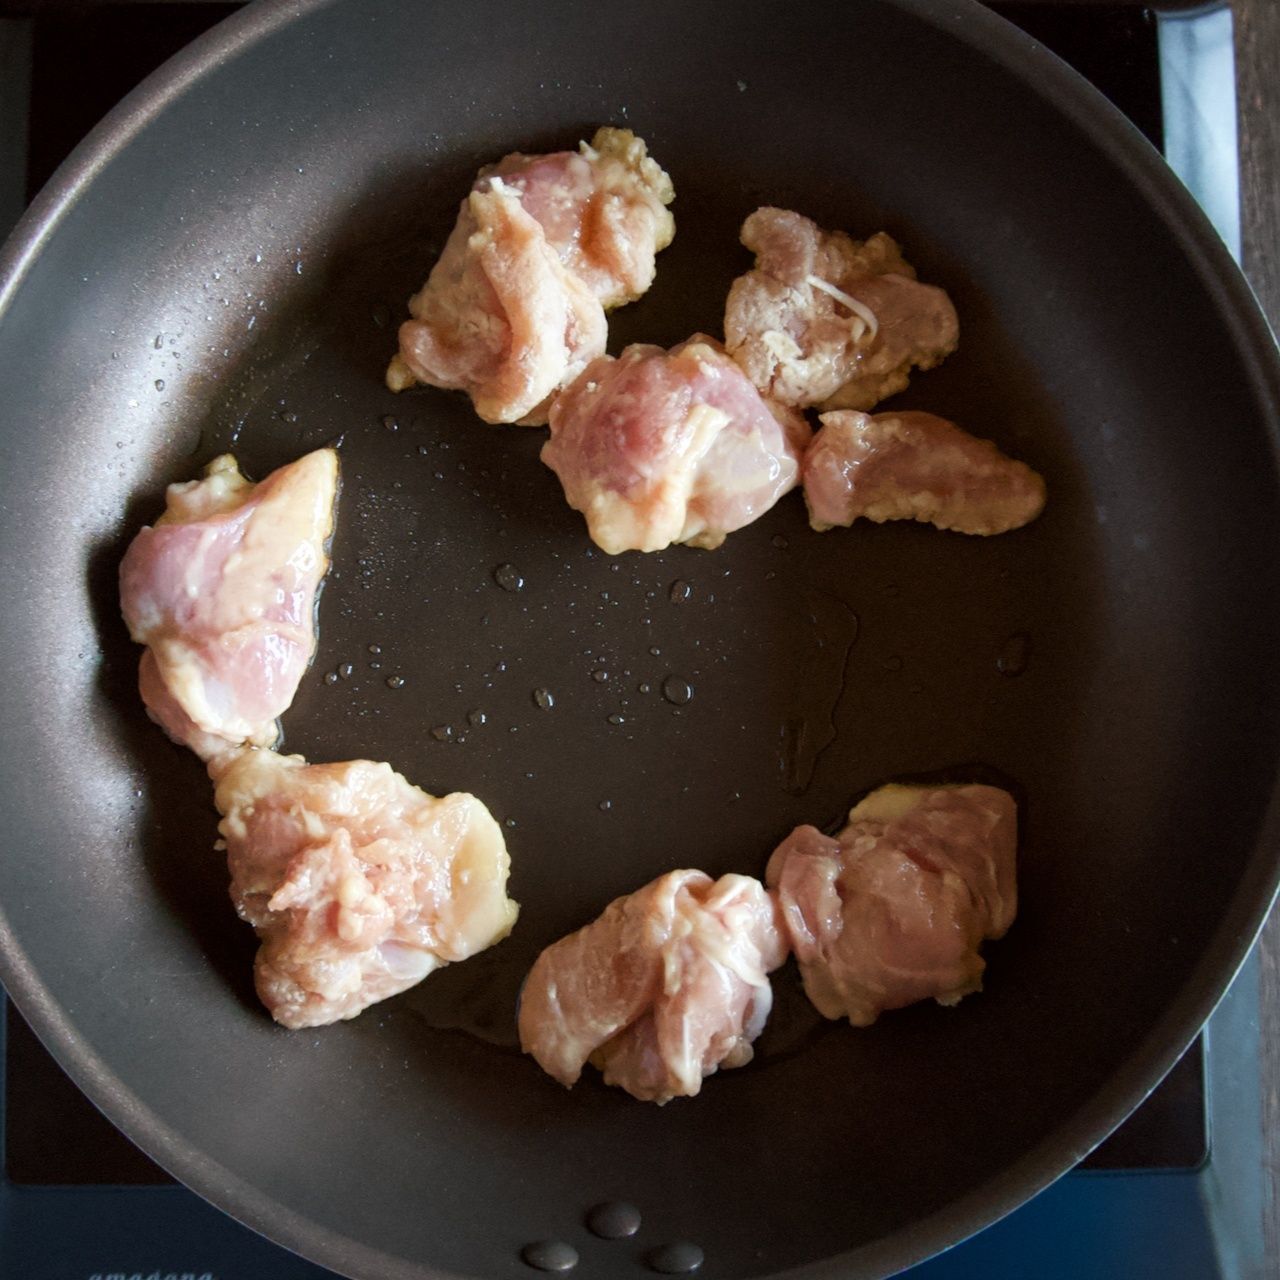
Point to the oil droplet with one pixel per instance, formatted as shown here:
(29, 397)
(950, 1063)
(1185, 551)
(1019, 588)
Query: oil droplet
(676, 1259)
(644, 687)
(331, 677)
(395, 682)
(617, 719)
(507, 576)
(613, 1220)
(347, 670)
(655, 651)
(550, 1255)
(159, 384)
(391, 422)
(680, 591)
(476, 718)
(780, 542)
(1013, 657)
(677, 690)
(543, 699)
(375, 649)
(819, 649)
(509, 823)
(605, 805)
(159, 342)
(600, 675)
(375, 666)
(442, 732)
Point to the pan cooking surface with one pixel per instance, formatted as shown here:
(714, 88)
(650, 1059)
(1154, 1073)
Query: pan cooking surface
(232, 279)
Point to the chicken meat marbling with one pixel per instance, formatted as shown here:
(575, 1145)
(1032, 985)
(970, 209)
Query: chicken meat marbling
(543, 245)
(222, 590)
(656, 447)
(500, 317)
(894, 909)
(669, 984)
(603, 209)
(358, 883)
(915, 466)
(826, 320)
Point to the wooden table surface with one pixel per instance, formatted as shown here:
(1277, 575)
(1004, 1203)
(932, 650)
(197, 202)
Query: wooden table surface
(1257, 26)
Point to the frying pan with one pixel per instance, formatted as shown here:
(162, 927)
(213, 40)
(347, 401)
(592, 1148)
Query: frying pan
(222, 265)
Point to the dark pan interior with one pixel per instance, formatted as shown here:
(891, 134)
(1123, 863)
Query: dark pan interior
(232, 278)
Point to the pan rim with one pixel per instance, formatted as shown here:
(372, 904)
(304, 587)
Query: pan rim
(1106, 129)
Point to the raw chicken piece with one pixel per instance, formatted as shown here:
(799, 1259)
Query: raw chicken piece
(656, 447)
(894, 909)
(500, 316)
(603, 209)
(514, 307)
(222, 590)
(358, 883)
(828, 320)
(666, 986)
(915, 466)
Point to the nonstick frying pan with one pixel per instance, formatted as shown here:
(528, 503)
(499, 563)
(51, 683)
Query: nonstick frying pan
(222, 265)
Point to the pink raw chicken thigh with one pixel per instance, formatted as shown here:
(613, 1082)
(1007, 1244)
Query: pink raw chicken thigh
(222, 591)
(500, 317)
(603, 208)
(358, 883)
(915, 466)
(514, 308)
(669, 984)
(657, 447)
(894, 909)
(824, 319)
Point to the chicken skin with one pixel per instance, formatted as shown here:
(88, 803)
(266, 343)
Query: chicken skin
(656, 447)
(222, 590)
(358, 883)
(668, 985)
(826, 320)
(915, 466)
(500, 317)
(603, 209)
(894, 909)
(514, 308)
